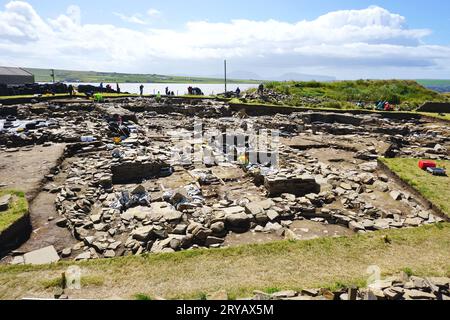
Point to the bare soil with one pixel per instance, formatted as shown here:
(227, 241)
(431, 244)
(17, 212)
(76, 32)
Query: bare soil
(25, 169)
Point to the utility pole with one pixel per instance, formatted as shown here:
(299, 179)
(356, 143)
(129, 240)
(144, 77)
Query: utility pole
(225, 77)
(53, 75)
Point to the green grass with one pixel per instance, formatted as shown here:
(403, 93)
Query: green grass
(78, 95)
(18, 208)
(43, 75)
(85, 281)
(408, 271)
(29, 96)
(142, 297)
(435, 189)
(197, 97)
(105, 95)
(408, 95)
(284, 265)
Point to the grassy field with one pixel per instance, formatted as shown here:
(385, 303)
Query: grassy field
(408, 95)
(435, 189)
(17, 209)
(328, 262)
(43, 75)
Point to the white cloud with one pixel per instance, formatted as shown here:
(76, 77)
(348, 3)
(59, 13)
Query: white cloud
(74, 13)
(136, 18)
(370, 39)
(154, 12)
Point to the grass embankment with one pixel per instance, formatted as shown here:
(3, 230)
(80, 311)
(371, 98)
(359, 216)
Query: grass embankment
(435, 189)
(43, 75)
(105, 95)
(17, 209)
(328, 262)
(66, 95)
(408, 95)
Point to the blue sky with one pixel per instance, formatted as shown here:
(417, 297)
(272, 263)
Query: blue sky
(345, 39)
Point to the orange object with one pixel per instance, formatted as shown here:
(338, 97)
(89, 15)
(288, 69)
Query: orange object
(425, 164)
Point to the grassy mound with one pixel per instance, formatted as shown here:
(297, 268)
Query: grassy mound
(407, 94)
(17, 209)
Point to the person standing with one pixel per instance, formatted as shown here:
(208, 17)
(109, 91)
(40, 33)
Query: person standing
(261, 89)
(117, 88)
(141, 88)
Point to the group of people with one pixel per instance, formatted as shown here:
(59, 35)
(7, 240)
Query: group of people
(195, 91)
(169, 93)
(191, 90)
(109, 87)
(384, 106)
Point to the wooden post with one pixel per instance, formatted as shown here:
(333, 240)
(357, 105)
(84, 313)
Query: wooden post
(226, 77)
(352, 293)
(63, 280)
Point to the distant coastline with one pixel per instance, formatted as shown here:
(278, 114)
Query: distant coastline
(44, 75)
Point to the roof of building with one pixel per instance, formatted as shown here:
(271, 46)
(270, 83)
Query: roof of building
(10, 71)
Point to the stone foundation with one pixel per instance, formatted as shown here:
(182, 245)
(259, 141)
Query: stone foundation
(296, 185)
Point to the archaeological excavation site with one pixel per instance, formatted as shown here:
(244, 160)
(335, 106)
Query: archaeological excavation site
(138, 177)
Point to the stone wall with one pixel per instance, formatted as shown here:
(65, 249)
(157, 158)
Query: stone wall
(299, 186)
(435, 107)
(134, 171)
(15, 235)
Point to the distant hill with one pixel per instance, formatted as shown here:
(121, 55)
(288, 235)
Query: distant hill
(44, 75)
(244, 75)
(304, 77)
(292, 76)
(436, 85)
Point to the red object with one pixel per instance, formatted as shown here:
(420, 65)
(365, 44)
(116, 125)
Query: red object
(424, 164)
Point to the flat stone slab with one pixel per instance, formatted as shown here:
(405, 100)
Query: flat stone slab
(4, 202)
(42, 256)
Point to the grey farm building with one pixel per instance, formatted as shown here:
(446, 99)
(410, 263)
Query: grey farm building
(15, 76)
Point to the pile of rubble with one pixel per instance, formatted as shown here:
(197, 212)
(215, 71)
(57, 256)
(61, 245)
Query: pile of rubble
(268, 96)
(112, 221)
(401, 287)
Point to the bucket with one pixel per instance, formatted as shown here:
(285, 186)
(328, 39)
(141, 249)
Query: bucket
(87, 139)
